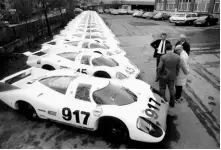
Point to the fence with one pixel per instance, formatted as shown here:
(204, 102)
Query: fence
(28, 31)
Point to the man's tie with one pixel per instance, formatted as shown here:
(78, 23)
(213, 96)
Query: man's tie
(162, 47)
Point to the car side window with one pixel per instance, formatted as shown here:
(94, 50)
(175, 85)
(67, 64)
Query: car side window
(211, 16)
(83, 92)
(188, 16)
(193, 15)
(85, 60)
(58, 83)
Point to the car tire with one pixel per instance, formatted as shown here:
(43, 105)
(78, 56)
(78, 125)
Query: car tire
(114, 130)
(176, 24)
(27, 110)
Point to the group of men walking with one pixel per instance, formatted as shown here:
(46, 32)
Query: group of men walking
(172, 66)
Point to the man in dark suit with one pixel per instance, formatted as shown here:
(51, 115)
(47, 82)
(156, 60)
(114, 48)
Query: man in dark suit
(159, 46)
(184, 43)
(167, 72)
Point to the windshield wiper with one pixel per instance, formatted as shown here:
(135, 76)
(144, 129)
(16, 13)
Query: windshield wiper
(131, 93)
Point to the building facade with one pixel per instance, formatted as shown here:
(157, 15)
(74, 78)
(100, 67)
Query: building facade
(199, 6)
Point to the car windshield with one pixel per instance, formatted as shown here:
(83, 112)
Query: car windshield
(69, 55)
(102, 61)
(114, 95)
(159, 14)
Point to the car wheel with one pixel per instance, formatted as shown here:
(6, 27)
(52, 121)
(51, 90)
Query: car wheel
(176, 24)
(114, 131)
(27, 110)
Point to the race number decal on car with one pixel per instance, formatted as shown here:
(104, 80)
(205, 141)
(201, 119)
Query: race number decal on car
(82, 71)
(67, 115)
(151, 112)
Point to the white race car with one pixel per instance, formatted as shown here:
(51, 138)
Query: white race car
(120, 108)
(85, 62)
(85, 45)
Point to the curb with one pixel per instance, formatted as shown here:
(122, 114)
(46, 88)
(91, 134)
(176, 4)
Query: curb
(204, 49)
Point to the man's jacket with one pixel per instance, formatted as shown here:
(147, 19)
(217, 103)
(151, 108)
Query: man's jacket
(169, 66)
(186, 46)
(156, 44)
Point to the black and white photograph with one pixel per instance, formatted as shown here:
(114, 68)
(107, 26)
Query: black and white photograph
(109, 74)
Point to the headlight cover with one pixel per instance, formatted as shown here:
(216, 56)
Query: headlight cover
(147, 126)
(120, 75)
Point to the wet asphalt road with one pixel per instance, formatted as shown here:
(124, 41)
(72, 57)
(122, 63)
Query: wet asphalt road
(193, 123)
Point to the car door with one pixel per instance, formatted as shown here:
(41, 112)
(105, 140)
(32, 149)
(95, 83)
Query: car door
(84, 64)
(51, 94)
(80, 108)
(194, 17)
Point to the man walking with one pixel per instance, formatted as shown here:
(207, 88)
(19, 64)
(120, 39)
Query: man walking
(167, 71)
(159, 47)
(183, 72)
(184, 43)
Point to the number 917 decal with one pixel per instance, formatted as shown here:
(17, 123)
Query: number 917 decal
(151, 112)
(67, 115)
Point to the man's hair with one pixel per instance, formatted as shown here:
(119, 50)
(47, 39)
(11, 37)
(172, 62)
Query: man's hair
(183, 36)
(163, 34)
(169, 47)
(178, 47)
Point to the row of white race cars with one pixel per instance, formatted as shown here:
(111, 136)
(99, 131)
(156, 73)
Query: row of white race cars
(82, 78)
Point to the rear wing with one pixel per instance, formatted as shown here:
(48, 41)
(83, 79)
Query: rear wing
(31, 73)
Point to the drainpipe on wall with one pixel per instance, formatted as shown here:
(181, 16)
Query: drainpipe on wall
(192, 5)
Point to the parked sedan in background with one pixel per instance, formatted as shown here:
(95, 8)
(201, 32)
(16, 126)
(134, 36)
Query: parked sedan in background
(206, 20)
(107, 11)
(138, 13)
(150, 15)
(161, 16)
(122, 11)
(114, 11)
(145, 14)
(185, 18)
(130, 11)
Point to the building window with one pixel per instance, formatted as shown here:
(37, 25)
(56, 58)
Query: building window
(184, 5)
(216, 7)
(160, 4)
(170, 5)
(201, 5)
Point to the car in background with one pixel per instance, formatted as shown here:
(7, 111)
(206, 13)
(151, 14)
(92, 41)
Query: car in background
(130, 11)
(145, 14)
(114, 11)
(185, 18)
(122, 11)
(205, 20)
(95, 64)
(138, 13)
(100, 11)
(150, 15)
(161, 16)
(107, 11)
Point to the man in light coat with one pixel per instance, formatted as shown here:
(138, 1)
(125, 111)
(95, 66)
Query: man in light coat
(181, 79)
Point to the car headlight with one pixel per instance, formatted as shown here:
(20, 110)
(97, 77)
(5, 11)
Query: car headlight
(147, 126)
(120, 76)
